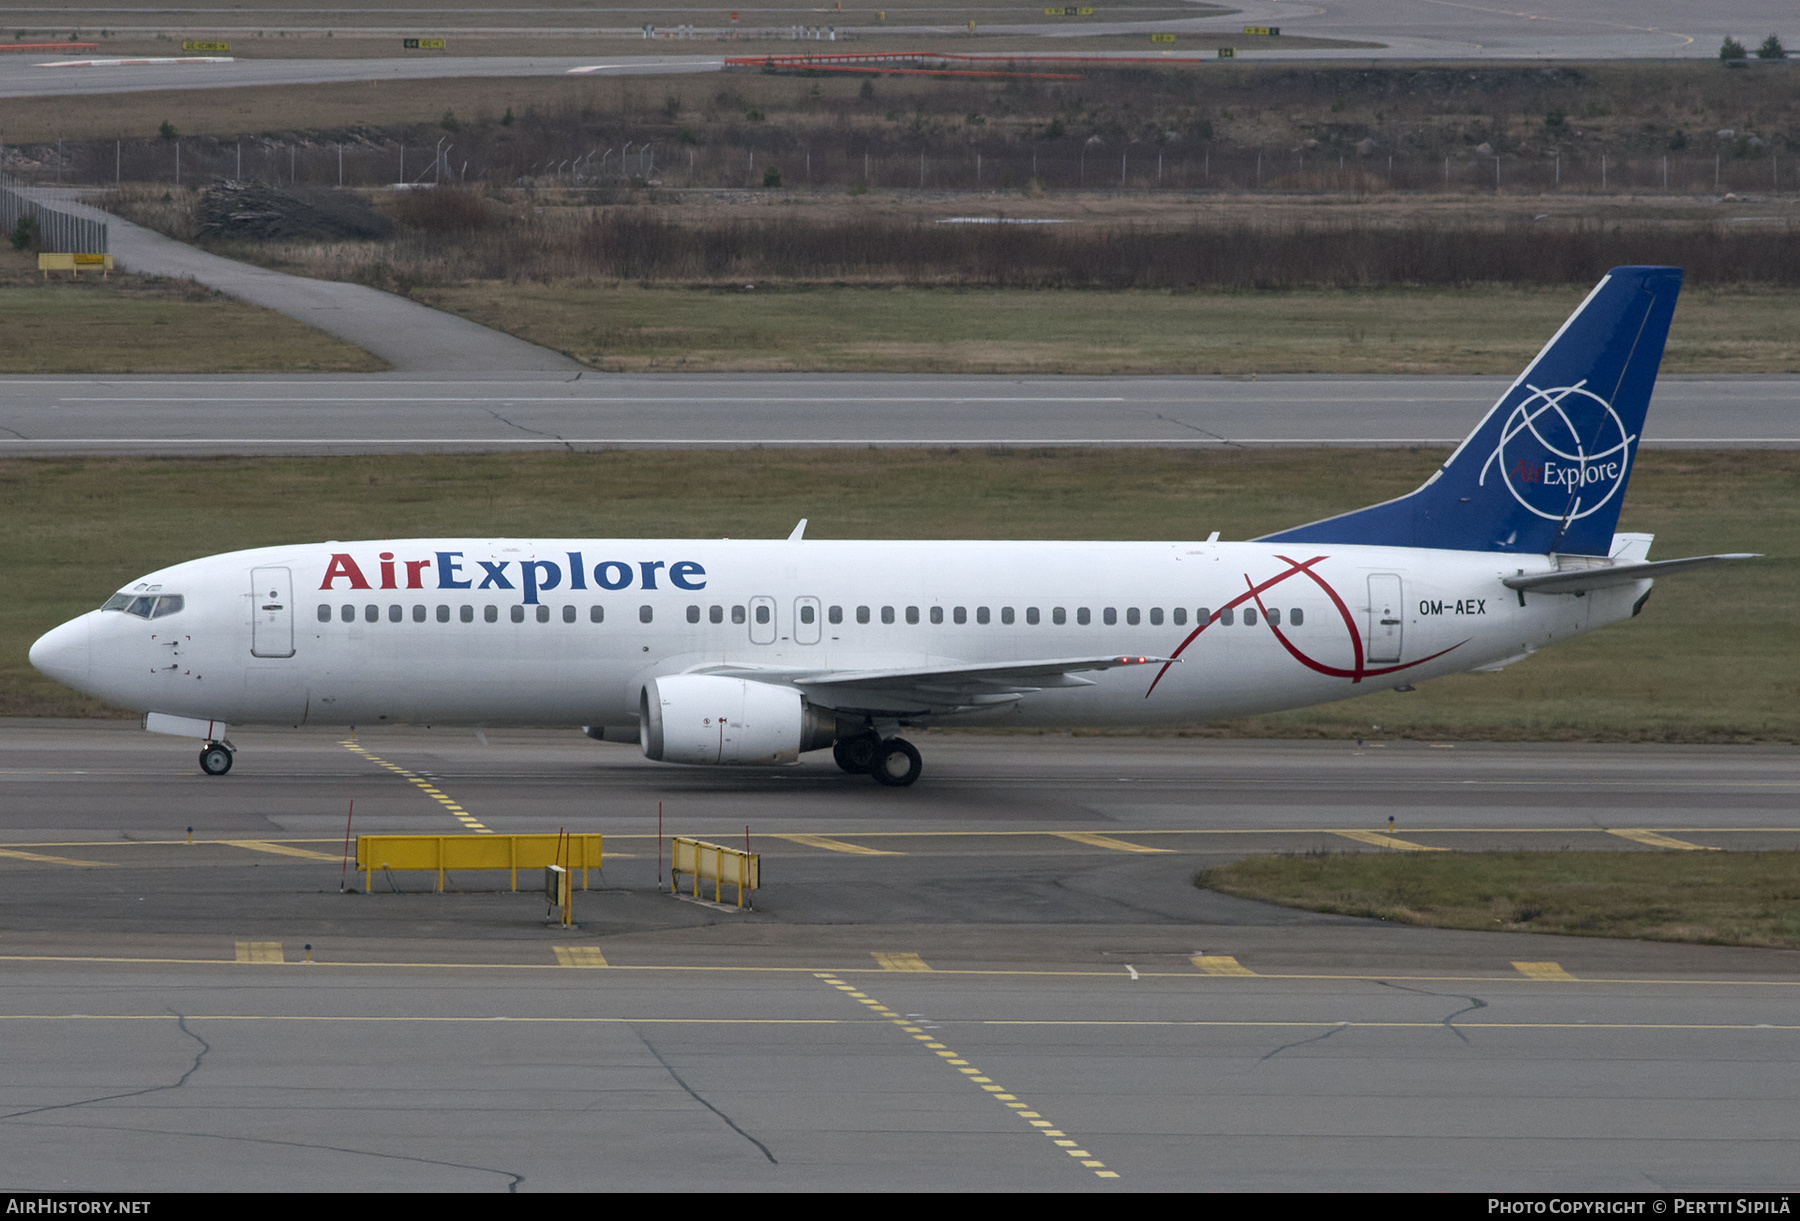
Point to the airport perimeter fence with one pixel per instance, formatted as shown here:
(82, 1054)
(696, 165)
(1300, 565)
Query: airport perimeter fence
(896, 161)
(50, 228)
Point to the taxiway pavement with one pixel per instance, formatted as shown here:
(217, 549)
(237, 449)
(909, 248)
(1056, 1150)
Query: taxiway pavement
(1002, 978)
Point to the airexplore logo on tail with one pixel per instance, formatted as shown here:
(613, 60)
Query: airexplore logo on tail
(1563, 453)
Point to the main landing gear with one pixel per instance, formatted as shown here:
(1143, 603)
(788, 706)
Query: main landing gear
(894, 762)
(215, 760)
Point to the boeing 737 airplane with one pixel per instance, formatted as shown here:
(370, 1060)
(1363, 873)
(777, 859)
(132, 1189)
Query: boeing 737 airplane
(710, 651)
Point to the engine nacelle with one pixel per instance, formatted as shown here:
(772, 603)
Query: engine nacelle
(708, 718)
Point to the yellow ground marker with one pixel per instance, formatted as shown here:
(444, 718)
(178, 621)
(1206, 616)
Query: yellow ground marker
(1105, 841)
(1220, 964)
(1387, 841)
(579, 956)
(1549, 971)
(835, 845)
(461, 815)
(259, 951)
(257, 845)
(1064, 1143)
(899, 962)
(1652, 840)
(41, 859)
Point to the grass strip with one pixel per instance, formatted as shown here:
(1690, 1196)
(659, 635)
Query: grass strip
(1712, 898)
(1482, 329)
(1712, 659)
(138, 324)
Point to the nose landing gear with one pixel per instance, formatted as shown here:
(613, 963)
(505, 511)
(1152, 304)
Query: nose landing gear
(215, 760)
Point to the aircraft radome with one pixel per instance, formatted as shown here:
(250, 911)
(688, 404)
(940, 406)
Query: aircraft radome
(710, 651)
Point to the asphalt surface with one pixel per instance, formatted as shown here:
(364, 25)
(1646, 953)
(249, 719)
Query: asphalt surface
(999, 979)
(321, 414)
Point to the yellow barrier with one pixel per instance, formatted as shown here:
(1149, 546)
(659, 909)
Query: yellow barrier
(442, 853)
(49, 261)
(715, 863)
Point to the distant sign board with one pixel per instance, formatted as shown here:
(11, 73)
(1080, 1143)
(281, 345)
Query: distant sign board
(1269, 31)
(208, 47)
(1227, 53)
(422, 44)
(1162, 38)
(1068, 12)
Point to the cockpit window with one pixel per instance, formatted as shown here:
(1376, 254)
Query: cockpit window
(145, 606)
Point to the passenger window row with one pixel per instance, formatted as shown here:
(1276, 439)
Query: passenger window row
(371, 613)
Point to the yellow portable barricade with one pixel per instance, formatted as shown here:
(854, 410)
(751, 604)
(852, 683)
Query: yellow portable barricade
(419, 853)
(49, 261)
(715, 863)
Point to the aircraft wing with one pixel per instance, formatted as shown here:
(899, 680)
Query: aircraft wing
(1580, 580)
(919, 689)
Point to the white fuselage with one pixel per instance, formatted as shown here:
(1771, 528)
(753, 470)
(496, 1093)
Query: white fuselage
(505, 631)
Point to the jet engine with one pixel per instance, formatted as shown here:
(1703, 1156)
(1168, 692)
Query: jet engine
(709, 718)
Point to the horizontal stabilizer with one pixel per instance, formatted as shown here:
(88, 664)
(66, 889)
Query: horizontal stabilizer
(1580, 580)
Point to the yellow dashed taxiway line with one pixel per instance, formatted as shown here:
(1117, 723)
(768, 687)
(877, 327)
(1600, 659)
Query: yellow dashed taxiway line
(1093, 840)
(1220, 964)
(1548, 971)
(1387, 841)
(835, 845)
(579, 956)
(1651, 839)
(461, 815)
(41, 859)
(988, 1085)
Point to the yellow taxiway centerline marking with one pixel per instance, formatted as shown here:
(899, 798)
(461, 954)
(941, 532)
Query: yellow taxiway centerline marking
(262, 845)
(1387, 841)
(1219, 964)
(975, 1077)
(1093, 840)
(41, 859)
(466, 819)
(899, 962)
(1652, 840)
(833, 845)
(1306, 977)
(720, 1021)
(1548, 971)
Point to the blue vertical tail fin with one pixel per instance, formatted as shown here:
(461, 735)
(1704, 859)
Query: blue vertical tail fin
(1546, 469)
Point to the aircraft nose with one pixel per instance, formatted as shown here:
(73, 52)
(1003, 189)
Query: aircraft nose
(65, 653)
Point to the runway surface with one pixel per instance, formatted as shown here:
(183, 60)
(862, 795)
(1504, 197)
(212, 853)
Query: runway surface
(999, 979)
(321, 414)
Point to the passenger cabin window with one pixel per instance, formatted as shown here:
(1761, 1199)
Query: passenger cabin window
(762, 615)
(1006, 614)
(1274, 616)
(862, 614)
(419, 614)
(646, 613)
(443, 614)
(490, 614)
(1082, 617)
(543, 614)
(1249, 616)
(1296, 617)
(1180, 615)
(396, 613)
(1109, 616)
(1131, 616)
(981, 614)
(835, 614)
(596, 614)
(1203, 616)
(1227, 616)
(324, 613)
(937, 614)
(347, 614)
(1156, 616)
(715, 614)
(568, 614)
(887, 614)
(467, 614)
(960, 614)
(1059, 616)
(693, 614)
(808, 614)
(1031, 615)
(739, 616)
(912, 614)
